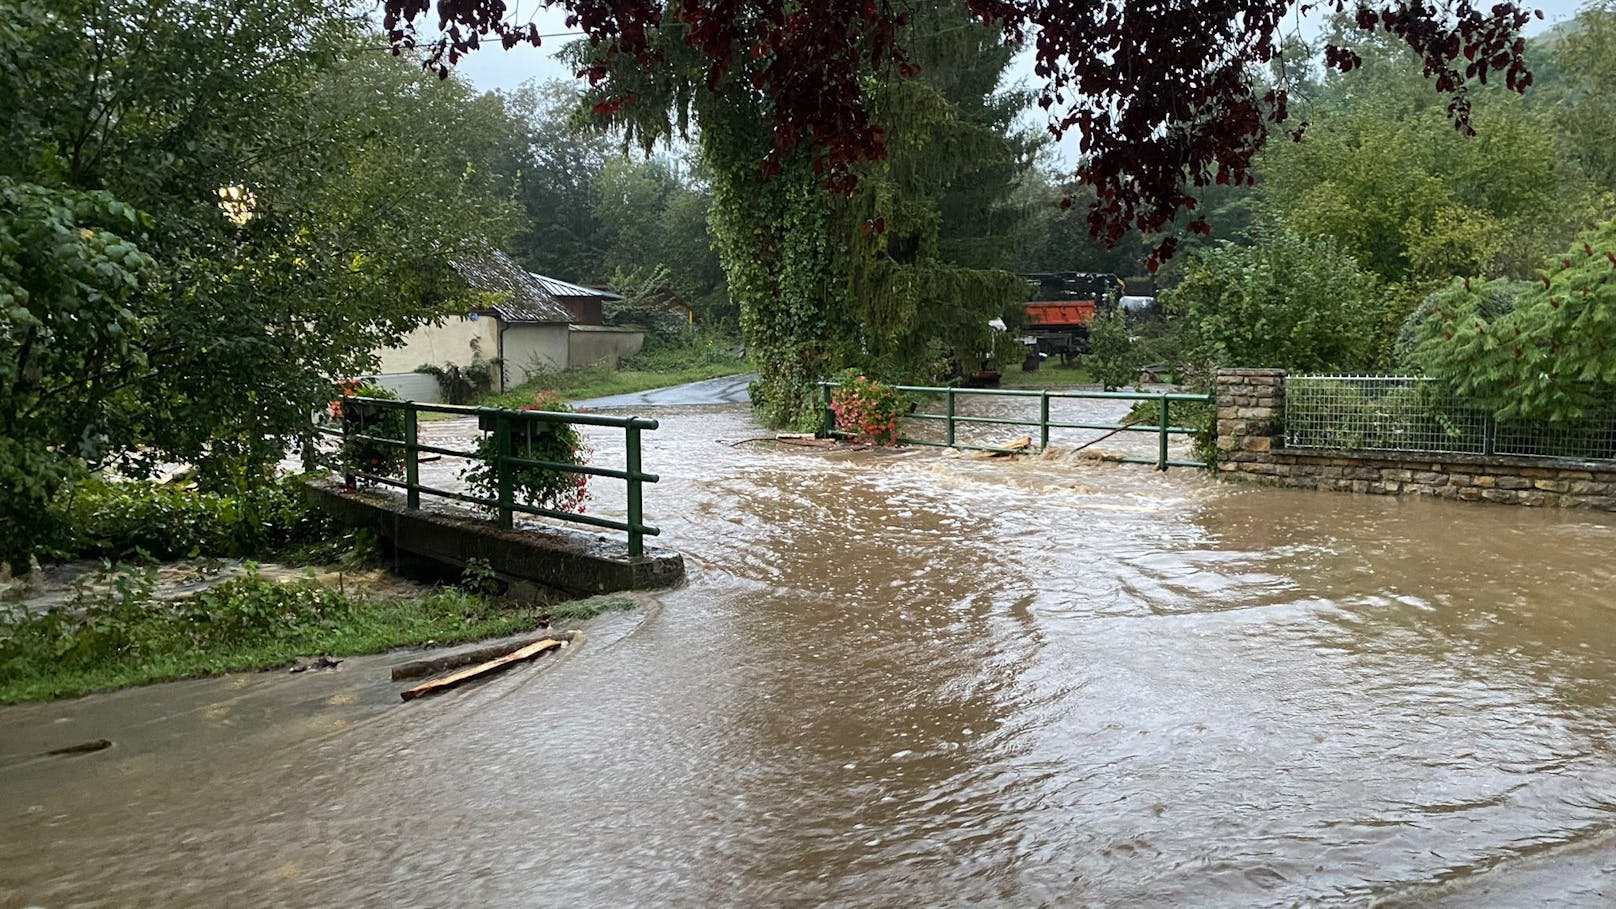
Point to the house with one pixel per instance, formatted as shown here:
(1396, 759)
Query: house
(529, 324)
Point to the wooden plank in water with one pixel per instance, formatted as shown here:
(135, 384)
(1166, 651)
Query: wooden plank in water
(429, 666)
(481, 669)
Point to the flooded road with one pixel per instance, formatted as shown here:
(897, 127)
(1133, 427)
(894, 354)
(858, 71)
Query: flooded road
(913, 678)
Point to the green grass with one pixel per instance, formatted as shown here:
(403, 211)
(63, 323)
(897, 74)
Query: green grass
(246, 624)
(588, 608)
(1050, 374)
(657, 368)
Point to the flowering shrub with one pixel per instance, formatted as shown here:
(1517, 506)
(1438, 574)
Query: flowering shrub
(358, 455)
(540, 487)
(867, 410)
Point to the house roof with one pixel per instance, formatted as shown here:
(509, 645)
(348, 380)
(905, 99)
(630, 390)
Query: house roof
(524, 297)
(564, 289)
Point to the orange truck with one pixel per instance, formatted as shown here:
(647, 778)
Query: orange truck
(1055, 320)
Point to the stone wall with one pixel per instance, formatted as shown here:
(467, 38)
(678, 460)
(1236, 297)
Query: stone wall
(1251, 411)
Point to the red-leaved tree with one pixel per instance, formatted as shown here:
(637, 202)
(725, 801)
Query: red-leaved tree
(1160, 91)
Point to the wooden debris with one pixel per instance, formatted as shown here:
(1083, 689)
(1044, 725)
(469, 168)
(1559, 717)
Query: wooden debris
(481, 669)
(420, 669)
(805, 439)
(82, 747)
(1012, 447)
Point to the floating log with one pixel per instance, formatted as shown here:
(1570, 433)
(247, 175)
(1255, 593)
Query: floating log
(481, 669)
(420, 669)
(81, 748)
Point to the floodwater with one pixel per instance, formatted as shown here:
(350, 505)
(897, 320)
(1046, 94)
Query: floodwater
(916, 679)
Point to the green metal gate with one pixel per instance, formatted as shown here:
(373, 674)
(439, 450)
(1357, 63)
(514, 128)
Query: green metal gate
(1162, 425)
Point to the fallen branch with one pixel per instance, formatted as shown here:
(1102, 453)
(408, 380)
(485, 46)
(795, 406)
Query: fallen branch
(804, 440)
(482, 669)
(1106, 436)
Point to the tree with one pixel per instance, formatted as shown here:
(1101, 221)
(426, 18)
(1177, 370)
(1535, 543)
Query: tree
(208, 211)
(1417, 203)
(1585, 90)
(1287, 301)
(1164, 103)
(826, 280)
(560, 234)
(1552, 356)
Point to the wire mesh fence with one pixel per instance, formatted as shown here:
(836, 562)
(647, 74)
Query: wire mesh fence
(1411, 414)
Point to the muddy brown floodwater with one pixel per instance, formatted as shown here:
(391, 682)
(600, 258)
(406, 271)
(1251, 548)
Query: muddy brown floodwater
(917, 679)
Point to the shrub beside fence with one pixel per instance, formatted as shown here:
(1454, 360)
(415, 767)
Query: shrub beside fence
(1410, 414)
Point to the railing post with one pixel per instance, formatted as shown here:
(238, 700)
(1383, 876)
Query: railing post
(412, 458)
(1043, 422)
(1161, 453)
(1489, 435)
(502, 468)
(636, 504)
(828, 430)
(950, 396)
(350, 418)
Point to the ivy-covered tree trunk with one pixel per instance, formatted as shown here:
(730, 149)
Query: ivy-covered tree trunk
(775, 246)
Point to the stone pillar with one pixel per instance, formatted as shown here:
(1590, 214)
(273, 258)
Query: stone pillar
(1251, 408)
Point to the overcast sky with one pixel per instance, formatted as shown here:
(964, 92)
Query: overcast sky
(492, 68)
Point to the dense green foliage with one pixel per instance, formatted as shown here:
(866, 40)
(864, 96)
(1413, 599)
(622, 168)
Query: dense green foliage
(1551, 356)
(207, 211)
(1415, 205)
(165, 521)
(1416, 202)
(895, 278)
(1288, 302)
(1113, 357)
(592, 214)
(125, 636)
(530, 440)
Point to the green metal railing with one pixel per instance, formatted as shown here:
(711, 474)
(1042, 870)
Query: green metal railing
(951, 417)
(360, 414)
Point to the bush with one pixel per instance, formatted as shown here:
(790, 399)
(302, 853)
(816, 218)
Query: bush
(1289, 302)
(1425, 320)
(539, 487)
(361, 455)
(1550, 357)
(462, 386)
(165, 521)
(866, 409)
(1112, 357)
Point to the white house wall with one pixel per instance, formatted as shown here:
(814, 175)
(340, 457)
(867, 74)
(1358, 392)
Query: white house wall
(441, 345)
(534, 347)
(435, 345)
(590, 345)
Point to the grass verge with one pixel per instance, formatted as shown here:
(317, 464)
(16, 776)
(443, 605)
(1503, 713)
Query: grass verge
(1050, 374)
(127, 638)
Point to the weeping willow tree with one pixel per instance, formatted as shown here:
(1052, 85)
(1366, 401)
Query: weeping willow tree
(893, 277)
